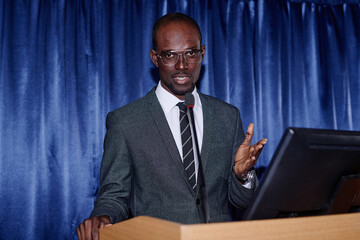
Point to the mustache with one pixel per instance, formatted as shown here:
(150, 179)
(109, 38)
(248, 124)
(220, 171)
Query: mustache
(181, 74)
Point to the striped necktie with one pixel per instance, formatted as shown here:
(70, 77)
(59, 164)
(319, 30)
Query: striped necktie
(187, 145)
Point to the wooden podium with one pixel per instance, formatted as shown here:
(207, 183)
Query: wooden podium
(341, 226)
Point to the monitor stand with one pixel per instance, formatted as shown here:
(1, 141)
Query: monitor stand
(346, 197)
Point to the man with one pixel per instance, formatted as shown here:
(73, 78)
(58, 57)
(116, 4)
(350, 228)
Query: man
(143, 171)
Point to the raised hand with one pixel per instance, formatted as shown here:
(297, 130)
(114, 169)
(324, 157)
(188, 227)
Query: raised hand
(247, 154)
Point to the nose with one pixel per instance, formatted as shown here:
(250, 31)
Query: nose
(181, 63)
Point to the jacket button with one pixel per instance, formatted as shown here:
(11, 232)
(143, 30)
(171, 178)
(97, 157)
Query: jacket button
(198, 201)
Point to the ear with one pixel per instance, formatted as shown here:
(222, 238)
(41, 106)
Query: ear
(203, 50)
(154, 58)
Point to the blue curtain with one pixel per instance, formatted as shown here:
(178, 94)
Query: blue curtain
(65, 64)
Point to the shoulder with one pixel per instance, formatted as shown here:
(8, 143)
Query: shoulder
(217, 104)
(135, 110)
(137, 105)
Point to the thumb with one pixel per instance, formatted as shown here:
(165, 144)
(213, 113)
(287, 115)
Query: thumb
(249, 135)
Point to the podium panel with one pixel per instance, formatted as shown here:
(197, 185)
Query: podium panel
(341, 226)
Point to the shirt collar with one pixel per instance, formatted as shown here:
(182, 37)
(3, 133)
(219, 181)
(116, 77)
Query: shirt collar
(169, 101)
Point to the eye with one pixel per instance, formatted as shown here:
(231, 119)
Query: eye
(170, 55)
(190, 53)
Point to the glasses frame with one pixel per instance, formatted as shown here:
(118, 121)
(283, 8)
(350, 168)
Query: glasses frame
(178, 54)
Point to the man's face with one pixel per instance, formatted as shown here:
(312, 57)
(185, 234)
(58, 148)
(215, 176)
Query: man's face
(177, 37)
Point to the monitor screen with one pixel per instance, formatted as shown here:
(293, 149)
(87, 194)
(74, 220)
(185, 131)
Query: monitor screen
(312, 172)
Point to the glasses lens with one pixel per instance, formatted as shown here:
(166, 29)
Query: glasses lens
(169, 58)
(190, 56)
(193, 56)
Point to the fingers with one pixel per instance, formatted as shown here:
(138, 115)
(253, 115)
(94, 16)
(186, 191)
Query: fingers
(84, 230)
(245, 160)
(255, 150)
(257, 153)
(260, 144)
(102, 225)
(89, 229)
(247, 154)
(242, 167)
(258, 147)
(80, 231)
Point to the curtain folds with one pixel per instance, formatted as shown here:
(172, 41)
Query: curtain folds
(65, 64)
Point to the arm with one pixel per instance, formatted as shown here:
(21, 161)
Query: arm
(245, 157)
(115, 174)
(112, 203)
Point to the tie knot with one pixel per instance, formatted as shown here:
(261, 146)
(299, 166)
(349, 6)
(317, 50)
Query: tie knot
(182, 106)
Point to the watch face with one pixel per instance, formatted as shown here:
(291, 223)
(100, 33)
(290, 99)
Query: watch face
(250, 175)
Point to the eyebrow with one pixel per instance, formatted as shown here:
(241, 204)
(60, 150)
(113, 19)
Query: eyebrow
(183, 50)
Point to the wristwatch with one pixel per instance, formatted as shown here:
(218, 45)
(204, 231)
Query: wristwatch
(248, 177)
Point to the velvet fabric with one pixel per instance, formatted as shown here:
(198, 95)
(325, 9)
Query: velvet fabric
(65, 64)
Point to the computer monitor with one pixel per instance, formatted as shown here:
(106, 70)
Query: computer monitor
(312, 172)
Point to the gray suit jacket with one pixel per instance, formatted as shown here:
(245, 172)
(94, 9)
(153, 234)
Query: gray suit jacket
(142, 172)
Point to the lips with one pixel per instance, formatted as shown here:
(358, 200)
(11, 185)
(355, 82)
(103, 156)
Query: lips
(181, 78)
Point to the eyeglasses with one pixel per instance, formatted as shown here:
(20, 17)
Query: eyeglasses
(171, 58)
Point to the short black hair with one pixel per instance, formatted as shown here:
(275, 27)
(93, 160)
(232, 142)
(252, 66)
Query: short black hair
(173, 17)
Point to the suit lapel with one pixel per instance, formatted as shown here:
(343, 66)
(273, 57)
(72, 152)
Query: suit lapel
(207, 133)
(165, 133)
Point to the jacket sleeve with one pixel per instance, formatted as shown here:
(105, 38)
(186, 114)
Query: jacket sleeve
(115, 174)
(239, 196)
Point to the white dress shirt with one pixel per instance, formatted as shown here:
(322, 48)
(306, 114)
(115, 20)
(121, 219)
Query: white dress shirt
(168, 103)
